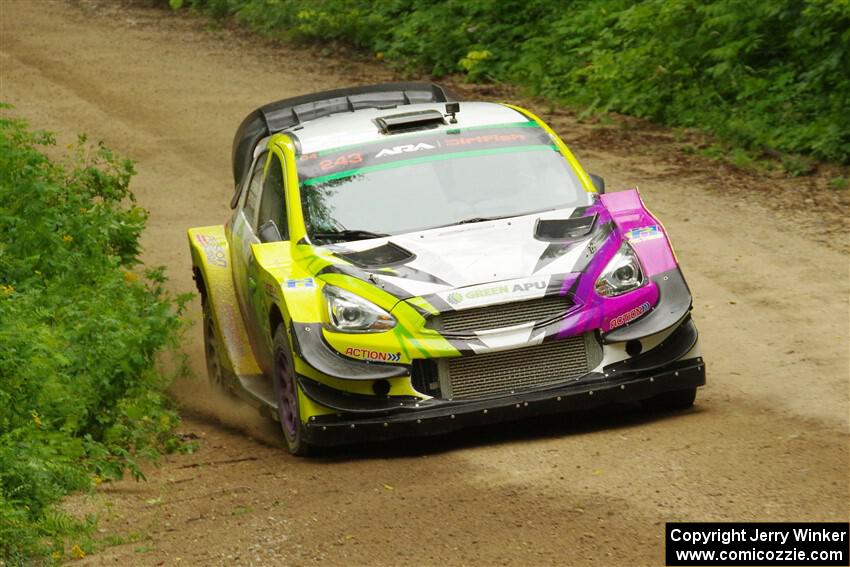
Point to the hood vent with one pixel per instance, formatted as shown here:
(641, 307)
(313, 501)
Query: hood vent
(553, 230)
(410, 121)
(383, 256)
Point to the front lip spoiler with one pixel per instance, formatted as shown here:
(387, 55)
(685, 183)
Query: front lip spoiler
(434, 417)
(312, 349)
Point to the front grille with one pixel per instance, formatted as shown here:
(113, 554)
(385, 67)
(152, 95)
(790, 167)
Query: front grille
(468, 321)
(483, 375)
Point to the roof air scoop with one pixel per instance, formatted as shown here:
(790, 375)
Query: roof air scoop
(410, 121)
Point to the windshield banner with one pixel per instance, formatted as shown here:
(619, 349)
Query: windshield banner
(319, 167)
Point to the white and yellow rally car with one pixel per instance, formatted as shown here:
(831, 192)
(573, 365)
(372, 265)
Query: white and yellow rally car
(399, 263)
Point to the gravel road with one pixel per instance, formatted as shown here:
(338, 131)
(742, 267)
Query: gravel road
(766, 258)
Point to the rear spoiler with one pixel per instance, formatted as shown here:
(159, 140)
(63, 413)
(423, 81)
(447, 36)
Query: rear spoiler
(287, 113)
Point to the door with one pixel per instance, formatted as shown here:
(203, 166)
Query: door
(271, 208)
(244, 236)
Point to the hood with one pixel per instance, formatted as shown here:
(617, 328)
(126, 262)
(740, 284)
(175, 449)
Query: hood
(528, 252)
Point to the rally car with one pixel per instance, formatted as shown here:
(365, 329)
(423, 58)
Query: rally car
(401, 263)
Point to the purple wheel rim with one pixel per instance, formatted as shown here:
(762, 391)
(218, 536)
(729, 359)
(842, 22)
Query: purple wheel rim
(288, 403)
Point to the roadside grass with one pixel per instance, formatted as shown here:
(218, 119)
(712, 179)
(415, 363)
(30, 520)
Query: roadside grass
(82, 323)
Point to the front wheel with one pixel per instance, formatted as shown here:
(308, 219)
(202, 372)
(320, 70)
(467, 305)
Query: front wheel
(286, 390)
(673, 400)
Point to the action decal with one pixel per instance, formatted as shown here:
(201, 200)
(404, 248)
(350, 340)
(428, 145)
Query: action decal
(213, 250)
(373, 355)
(628, 316)
(645, 233)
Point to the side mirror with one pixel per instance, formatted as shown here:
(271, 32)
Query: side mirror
(598, 182)
(269, 232)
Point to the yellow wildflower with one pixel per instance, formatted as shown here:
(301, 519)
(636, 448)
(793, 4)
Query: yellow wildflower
(56, 555)
(78, 552)
(97, 479)
(35, 418)
(7, 289)
(130, 277)
(67, 238)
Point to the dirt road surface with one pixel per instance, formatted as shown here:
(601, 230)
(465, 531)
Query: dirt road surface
(767, 440)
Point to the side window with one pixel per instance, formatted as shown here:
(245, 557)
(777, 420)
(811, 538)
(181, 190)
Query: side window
(272, 203)
(254, 187)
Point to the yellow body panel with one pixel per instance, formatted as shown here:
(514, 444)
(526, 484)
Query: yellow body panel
(211, 255)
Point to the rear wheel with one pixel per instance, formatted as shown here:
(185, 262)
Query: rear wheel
(286, 390)
(215, 372)
(673, 400)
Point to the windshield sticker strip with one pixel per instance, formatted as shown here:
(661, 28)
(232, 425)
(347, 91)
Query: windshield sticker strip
(424, 159)
(419, 134)
(441, 142)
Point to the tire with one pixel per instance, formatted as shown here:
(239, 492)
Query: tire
(673, 400)
(286, 391)
(215, 371)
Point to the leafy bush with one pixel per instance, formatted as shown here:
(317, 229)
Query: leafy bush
(80, 399)
(761, 74)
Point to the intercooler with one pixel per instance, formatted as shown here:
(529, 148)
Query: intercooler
(504, 372)
(468, 321)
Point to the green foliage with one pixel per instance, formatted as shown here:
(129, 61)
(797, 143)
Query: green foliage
(760, 74)
(80, 400)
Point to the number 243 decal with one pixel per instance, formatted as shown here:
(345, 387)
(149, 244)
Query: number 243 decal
(341, 161)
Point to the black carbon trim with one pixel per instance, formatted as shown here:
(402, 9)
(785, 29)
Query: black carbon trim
(674, 347)
(561, 230)
(438, 416)
(383, 256)
(311, 347)
(674, 304)
(352, 403)
(410, 273)
(364, 276)
(554, 251)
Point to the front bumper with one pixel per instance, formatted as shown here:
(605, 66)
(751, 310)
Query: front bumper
(432, 417)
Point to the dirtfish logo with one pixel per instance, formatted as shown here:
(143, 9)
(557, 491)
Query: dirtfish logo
(398, 150)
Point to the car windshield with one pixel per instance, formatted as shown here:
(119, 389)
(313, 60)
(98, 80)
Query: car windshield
(435, 179)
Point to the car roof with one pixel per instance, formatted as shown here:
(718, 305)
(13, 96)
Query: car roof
(359, 127)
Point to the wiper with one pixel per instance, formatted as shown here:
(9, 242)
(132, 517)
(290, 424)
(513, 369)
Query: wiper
(480, 219)
(348, 235)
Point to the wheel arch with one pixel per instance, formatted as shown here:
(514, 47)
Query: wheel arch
(200, 284)
(275, 318)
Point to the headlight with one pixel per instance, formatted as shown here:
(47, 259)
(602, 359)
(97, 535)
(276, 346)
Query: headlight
(352, 314)
(622, 273)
